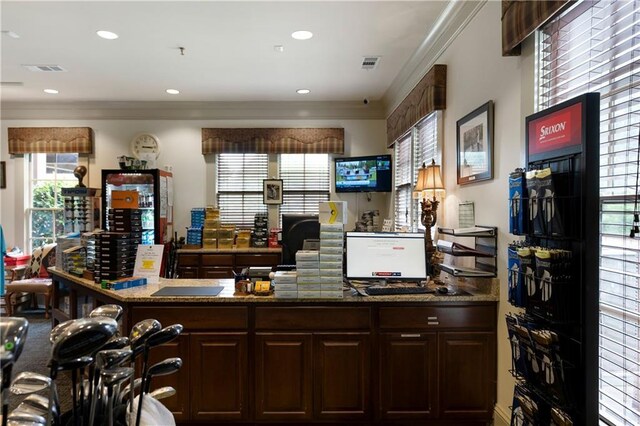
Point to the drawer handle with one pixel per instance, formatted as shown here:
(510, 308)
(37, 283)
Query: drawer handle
(432, 318)
(409, 335)
(433, 323)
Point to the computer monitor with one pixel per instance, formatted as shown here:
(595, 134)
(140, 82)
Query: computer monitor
(296, 228)
(386, 256)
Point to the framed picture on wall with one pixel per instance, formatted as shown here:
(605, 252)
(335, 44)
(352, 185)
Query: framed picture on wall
(272, 191)
(474, 145)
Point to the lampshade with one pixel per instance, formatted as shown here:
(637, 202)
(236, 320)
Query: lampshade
(429, 178)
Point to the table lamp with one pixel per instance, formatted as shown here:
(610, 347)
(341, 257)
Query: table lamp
(429, 179)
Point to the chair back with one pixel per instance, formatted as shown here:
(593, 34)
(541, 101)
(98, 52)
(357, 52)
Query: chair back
(41, 259)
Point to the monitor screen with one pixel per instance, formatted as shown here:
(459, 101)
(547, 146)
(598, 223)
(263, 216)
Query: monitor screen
(390, 256)
(296, 228)
(363, 174)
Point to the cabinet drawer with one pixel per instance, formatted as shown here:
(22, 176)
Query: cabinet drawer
(188, 259)
(187, 272)
(468, 317)
(265, 259)
(313, 318)
(226, 272)
(195, 317)
(217, 260)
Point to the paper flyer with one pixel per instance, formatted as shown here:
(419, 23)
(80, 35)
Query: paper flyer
(149, 262)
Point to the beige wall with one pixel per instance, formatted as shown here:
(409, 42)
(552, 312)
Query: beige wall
(194, 175)
(477, 73)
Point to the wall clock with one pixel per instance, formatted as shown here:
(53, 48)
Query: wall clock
(145, 144)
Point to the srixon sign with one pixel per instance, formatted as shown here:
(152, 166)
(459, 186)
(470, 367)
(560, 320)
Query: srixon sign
(558, 130)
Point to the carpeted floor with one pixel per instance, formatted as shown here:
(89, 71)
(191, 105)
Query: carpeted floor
(35, 357)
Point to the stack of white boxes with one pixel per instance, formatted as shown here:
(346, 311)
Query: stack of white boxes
(308, 268)
(331, 251)
(286, 285)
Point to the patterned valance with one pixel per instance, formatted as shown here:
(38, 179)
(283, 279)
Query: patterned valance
(273, 141)
(27, 140)
(520, 18)
(429, 95)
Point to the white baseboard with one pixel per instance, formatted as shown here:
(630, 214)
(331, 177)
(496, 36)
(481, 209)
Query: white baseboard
(501, 417)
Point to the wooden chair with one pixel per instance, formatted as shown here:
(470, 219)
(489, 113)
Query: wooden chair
(36, 279)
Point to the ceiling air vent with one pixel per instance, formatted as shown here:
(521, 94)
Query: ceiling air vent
(45, 68)
(11, 83)
(370, 62)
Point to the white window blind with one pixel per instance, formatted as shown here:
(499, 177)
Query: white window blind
(239, 183)
(595, 47)
(403, 183)
(305, 182)
(425, 150)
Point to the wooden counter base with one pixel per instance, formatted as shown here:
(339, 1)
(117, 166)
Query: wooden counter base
(400, 361)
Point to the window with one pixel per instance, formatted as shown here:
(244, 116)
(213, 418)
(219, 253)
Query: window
(48, 174)
(239, 183)
(418, 147)
(595, 47)
(305, 182)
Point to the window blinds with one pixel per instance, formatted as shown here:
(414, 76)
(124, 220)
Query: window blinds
(403, 183)
(595, 47)
(239, 183)
(305, 182)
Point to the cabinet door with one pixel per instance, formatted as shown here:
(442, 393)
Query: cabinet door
(408, 375)
(341, 376)
(467, 374)
(219, 383)
(224, 272)
(283, 376)
(187, 272)
(179, 403)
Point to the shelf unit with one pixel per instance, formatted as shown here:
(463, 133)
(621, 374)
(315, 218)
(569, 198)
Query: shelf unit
(555, 342)
(485, 251)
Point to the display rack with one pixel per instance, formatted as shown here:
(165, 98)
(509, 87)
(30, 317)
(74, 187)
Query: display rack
(81, 209)
(555, 341)
(484, 251)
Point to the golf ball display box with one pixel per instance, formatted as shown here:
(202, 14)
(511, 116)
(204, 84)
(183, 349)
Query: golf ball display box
(553, 273)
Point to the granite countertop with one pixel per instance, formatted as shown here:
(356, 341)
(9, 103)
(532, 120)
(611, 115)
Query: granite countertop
(144, 293)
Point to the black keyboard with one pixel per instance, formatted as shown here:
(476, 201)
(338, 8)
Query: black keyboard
(391, 290)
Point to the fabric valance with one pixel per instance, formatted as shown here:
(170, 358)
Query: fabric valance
(27, 140)
(429, 95)
(520, 18)
(273, 141)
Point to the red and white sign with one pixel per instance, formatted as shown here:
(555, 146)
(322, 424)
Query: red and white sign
(560, 129)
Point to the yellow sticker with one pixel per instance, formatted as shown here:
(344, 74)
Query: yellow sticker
(334, 212)
(147, 264)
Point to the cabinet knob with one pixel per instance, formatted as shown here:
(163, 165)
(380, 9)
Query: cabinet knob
(432, 318)
(433, 323)
(409, 335)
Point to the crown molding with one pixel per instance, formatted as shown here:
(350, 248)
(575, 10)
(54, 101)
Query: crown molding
(140, 110)
(446, 29)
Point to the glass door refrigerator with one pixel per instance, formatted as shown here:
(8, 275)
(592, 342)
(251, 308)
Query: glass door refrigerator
(149, 192)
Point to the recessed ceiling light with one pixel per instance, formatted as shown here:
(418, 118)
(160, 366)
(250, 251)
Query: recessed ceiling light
(278, 48)
(51, 91)
(302, 35)
(303, 91)
(10, 34)
(107, 35)
(172, 91)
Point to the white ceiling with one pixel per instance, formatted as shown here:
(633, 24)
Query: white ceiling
(229, 49)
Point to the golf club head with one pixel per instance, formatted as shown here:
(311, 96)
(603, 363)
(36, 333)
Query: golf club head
(109, 311)
(141, 332)
(28, 382)
(41, 403)
(162, 368)
(13, 332)
(116, 343)
(11, 422)
(165, 335)
(116, 375)
(106, 359)
(163, 392)
(25, 417)
(82, 338)
(136, 385)
(74, 364)
(59, 329)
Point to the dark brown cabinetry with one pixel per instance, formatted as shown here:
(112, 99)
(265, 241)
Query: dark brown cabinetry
(408, 375)
(222, 263)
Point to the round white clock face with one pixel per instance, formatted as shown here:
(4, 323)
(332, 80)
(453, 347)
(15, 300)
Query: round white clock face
(145, 144)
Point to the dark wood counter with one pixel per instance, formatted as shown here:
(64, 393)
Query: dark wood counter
(418, 359)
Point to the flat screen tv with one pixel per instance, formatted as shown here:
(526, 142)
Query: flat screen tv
(363, 174)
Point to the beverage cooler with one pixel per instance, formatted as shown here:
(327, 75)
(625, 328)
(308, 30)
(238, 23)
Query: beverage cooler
(150, 192)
